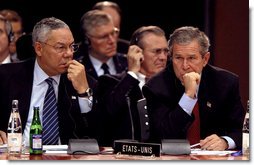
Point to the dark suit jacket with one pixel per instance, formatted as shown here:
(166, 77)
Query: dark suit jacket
(113, 91)
(120, 61)
(221, 110)
(16, 83)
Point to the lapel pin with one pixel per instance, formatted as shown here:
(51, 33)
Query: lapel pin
(209, 104)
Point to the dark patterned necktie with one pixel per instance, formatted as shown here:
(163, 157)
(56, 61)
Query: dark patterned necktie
(193, 134)
(105, 67)
(50, 116)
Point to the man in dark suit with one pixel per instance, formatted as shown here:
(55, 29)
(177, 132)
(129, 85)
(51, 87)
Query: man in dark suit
(99, 45)
(25, 81)
(118, 94)
(189, 79)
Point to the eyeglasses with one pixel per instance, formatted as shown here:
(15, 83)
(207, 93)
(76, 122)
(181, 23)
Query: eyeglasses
(61, 48)
(159, 51)
(105, 37)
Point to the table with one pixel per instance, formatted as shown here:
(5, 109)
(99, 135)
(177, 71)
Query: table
(111, 156)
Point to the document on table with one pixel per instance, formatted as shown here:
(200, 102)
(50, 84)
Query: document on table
(54, 149)
(199, 151)
(46, 148)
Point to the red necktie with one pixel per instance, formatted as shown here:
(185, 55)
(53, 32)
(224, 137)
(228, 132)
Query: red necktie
(193, 134)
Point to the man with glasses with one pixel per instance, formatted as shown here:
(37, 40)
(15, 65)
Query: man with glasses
(114, 10)
(28, 82)
(118, 94)
(100, 35)
(190, 99)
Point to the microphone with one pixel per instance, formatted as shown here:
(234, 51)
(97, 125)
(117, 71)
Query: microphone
(129, 108)
(121, 142)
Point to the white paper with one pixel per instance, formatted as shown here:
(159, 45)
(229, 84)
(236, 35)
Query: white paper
(3, 146)
(55, 149)
(207, 152)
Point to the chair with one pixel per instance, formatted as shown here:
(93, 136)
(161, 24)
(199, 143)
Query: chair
(144, 120)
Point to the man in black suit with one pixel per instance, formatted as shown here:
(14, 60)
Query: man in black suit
(25, 81)
(189, 79)
(118, 94)
(100, 45)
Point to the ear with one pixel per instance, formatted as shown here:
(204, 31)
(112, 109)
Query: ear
(206, 58)
(38, 48)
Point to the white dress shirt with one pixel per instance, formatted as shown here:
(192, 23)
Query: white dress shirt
(6, 60)
(97, 66)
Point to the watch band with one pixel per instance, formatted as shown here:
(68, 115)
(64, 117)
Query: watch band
(87, 93)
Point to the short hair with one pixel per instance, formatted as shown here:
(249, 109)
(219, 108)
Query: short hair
(185, 35)
(102, 4)
(137, 36)
(45, 26)
(93, 18)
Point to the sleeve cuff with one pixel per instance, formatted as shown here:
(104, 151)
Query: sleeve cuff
(85, 104)
(187, 103)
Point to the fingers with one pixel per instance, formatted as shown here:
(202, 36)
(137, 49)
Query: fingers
(77, 75)
(3, 137)
(135, 57)
(213, 142)
(190, 82)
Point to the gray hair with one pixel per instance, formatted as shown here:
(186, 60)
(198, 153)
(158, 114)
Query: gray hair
(185, 35)
(103, 4)
(43, 28)
(137, 36)
(92, 19)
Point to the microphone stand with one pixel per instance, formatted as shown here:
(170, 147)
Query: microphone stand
(132, 125)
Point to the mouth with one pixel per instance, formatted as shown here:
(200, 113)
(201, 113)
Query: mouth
(64, 65)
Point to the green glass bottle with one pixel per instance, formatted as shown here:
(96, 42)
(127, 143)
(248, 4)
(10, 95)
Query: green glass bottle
(36, 134)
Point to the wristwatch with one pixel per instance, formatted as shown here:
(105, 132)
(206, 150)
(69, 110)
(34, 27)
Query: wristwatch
(88, 93)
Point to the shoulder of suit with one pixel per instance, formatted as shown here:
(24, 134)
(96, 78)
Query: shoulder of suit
(221, 72)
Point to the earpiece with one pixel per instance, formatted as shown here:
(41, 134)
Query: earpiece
(135, 38)
(87, 40)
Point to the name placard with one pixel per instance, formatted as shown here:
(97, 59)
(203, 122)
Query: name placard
(137, 148)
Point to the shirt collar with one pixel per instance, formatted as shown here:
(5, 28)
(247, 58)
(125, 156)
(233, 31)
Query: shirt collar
(7, 60)
(40, 76)
(97, 63)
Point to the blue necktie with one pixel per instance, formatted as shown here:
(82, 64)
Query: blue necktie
(50, 116)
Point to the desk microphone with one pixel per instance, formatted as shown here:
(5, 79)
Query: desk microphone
(129, 108)
(121, 142)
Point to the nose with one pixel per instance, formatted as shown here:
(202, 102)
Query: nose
(68, 53)
(111, 38)
(163, 55)
(185, 64)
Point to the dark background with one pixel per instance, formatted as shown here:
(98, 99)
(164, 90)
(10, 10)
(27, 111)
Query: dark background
(168, 17)
(226, 22)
